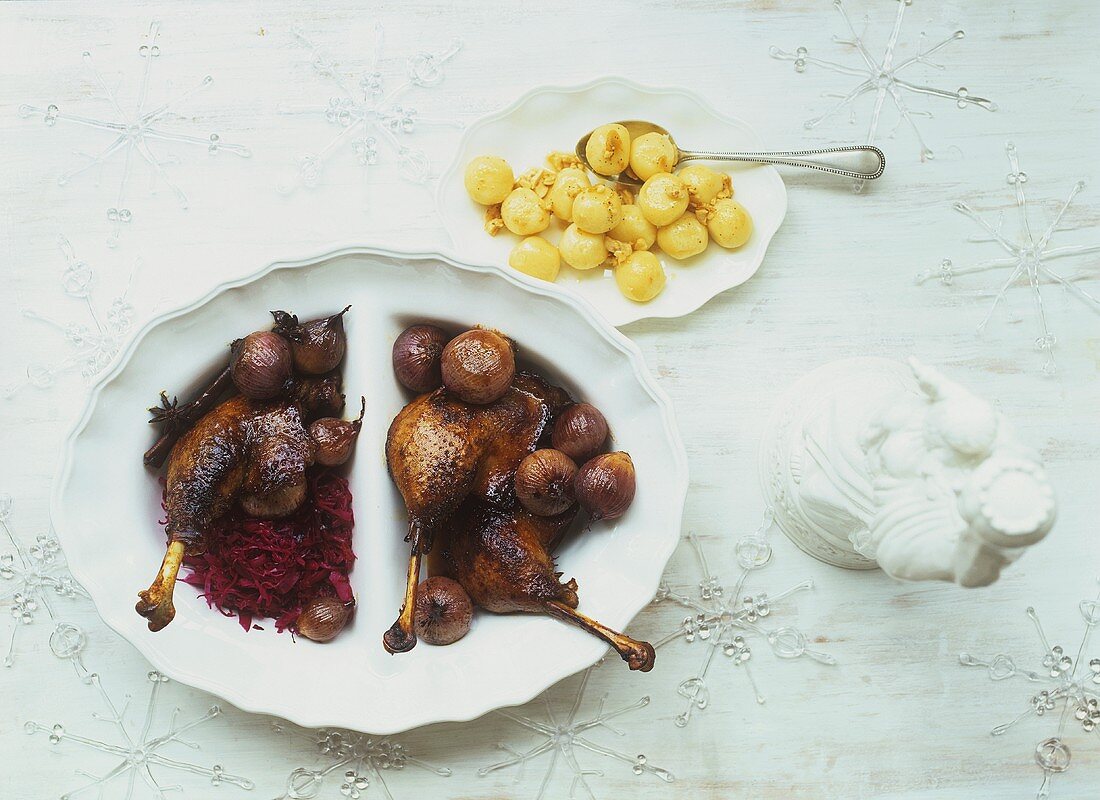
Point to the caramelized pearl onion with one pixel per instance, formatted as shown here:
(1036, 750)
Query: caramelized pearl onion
(417, 353)
(261, 365)
(544, 482)
(580, 432)
(323, 618)
(605, 485)
(478, 366)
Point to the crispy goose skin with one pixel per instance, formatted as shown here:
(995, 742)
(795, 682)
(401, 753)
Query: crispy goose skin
(502, 558)
(440, 450)
(242, 450)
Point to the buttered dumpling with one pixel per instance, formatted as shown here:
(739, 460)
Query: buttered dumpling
(597, 209)
(524, 212)
(488, 180)
(608, 149)
(641, 277)
(582, 250)
(729, 223)
(705, 185)
(663, 198)
(567, 186)
(651, 153)
(635, 229)
(536, 257)
(684, 238)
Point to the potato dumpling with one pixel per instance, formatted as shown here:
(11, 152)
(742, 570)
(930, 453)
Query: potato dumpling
(536, 257)
(729, 224)
(651, 153)
(567, 186)
(663, 198)
(524, 213)
(635, 229)
(582, 250)
(684, 238)
(608, 149)
(488, 180)
(705, 185)
(641, 277)
(596, 209)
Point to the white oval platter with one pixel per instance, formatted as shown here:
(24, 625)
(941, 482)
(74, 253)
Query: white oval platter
(106, 506)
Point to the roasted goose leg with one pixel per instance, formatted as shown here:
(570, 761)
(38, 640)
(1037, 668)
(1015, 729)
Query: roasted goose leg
(441, 450)
(502, 559)
(243, 450)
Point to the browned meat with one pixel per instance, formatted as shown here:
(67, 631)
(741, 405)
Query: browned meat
(502, 558)
(250, 451)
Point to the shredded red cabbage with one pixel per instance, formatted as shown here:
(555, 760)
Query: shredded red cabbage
(255, 568)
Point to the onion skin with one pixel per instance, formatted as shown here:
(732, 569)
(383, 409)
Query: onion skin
(323, 618)
(261, 365)
(443, 611)
(334, 438)
(318, 346)
(605, 485)
(478, 366)
(545, 482)
(580, 432)
(417, 353)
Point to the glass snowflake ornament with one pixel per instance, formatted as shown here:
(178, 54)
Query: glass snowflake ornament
(1068, 686)
(143, 755)
(94, 342)
(367, 116)
(1027, 262)
(882, 76)
(137, 134)
(725, 621)
(564, 738)
(32, 577)
(363, 759)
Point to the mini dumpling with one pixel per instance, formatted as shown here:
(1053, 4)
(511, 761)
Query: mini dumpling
(729, 223)
(705, 185)
(663, 198)
(488, 180)
(567, 186)
(597, 209)
(536, 257)
(608, 149)
(635, 229)
(524, 213)
(684, 238)
(641, 277)
(651, 153)
(582, 250)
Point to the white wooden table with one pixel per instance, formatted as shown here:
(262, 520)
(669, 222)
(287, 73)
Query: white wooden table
(898, 718)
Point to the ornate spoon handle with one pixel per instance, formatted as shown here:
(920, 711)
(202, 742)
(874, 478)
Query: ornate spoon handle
(862, 162)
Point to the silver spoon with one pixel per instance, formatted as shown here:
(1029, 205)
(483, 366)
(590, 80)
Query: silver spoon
(863, 162)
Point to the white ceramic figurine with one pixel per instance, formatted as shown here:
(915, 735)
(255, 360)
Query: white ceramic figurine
(870, 462)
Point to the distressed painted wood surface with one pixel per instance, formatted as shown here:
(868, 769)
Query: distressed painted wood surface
(898, 718)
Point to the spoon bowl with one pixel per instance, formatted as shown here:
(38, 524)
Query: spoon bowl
(861, 162)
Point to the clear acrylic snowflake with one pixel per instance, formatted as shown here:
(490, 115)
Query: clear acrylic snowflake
(724, 620)
(882, 76)
(363, 759)
(365, 113)
(1028, 256)
(1067, 681)
(134, 133)
(94, 343)
(30, 577)
(140, 754)
(564, 738)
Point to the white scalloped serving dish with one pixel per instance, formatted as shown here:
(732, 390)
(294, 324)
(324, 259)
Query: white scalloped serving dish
(554, 118)
(105, 505)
